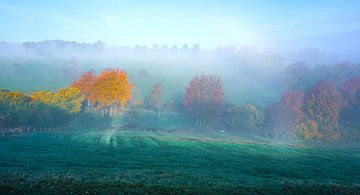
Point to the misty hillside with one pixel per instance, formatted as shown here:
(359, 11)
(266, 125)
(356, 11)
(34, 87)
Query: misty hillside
(180, 97)
(246, 72)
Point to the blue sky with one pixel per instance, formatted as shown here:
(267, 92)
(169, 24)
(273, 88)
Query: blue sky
(209, 23)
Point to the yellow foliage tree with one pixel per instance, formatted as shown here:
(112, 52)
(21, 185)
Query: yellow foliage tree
(69, 99)
(309, 130)
(42, 96)
(13, 98)
(112, 89)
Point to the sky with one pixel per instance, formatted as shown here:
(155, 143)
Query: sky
(206, 22)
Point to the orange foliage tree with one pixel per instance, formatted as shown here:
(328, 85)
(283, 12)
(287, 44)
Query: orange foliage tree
(108, 91)
(86, 85)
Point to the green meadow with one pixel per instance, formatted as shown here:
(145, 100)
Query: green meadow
(111, 161)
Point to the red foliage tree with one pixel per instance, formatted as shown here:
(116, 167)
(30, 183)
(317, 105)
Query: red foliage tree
(294, 102)
(283, 117)
(204, 99)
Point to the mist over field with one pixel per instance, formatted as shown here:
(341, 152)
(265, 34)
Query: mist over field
(249, 74)
(203, 97)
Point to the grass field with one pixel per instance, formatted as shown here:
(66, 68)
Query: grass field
(112, 160)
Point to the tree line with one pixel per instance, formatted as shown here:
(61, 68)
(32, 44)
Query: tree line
(321, 103)
(39, 109)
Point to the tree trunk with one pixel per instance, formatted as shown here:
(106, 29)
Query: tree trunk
(121, 111)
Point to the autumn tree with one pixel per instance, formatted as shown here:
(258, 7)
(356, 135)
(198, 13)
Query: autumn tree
(109, 92)
(203, 99)
(284, 116)
(323, 105)
(42, 96)
(112, 90)
(16, 99)
(42, 109)
(309, 130)
(68, 99)
(154, 99)
(86, 86)
(14, 108)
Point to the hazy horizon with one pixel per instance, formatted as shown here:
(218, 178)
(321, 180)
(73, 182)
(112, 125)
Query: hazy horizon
(208, 23)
